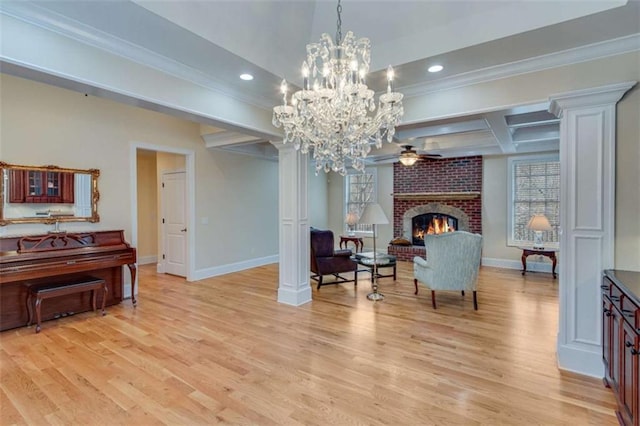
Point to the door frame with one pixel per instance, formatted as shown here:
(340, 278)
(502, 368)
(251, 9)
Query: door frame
(189, 196)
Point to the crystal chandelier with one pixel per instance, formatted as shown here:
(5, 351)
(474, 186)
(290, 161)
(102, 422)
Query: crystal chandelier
(335, 113)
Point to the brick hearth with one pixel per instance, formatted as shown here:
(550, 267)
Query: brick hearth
(436, 181)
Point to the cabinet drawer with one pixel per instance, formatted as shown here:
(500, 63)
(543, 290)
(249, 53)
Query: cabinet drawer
(606, 287)
(629, 311)
(616, 296)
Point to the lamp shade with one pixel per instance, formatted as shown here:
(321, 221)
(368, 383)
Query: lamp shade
(373, 215)
(539, 222)
(351, 218)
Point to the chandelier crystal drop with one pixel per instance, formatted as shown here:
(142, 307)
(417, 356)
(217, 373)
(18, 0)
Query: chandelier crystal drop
(335, 114)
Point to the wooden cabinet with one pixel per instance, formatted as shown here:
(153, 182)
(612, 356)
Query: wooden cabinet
(621, 341)
(41, 186)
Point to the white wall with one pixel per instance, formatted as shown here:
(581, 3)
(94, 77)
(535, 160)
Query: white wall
(42, 124)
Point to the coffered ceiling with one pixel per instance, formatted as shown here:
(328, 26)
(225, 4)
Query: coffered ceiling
(211, 43)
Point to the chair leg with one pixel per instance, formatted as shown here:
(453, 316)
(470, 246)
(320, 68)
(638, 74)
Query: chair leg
(475, 300)
(463, 292)
(355, 278)
(319, 282)
(415, 283)
(433, 299)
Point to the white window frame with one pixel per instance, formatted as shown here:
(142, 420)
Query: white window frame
(360, 229)
(511, 163)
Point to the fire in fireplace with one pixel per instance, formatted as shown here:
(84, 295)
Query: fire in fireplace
(431, 223)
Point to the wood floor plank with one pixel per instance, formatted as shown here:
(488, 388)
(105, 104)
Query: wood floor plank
(223, 351)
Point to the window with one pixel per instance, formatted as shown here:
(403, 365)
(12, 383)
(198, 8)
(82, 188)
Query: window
(534, 188)
(360, 189)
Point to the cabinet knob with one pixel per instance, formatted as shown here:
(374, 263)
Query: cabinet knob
(634, 351)
(604, 287)
(628, 344)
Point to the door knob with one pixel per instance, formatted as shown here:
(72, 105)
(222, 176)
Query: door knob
(183, 230)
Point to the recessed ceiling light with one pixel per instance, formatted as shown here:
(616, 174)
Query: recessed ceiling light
(435, 68)
(246, 77)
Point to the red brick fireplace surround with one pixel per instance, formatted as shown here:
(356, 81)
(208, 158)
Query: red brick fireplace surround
(452, 186)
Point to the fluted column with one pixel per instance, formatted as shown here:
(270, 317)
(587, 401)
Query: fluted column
(294, 286)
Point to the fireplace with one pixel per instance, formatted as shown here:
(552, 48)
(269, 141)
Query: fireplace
(431, 223)
(445, 188)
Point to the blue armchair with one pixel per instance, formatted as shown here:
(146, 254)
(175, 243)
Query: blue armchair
(453, 261)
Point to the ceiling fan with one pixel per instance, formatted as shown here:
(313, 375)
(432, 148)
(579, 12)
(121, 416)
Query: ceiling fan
(409, 156)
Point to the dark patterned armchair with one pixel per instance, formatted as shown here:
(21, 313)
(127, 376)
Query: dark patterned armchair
(325, 260)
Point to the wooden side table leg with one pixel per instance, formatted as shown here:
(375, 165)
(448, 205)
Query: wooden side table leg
(554, 261)
(524, 262)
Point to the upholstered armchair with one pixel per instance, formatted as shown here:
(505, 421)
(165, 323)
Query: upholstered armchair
(452, 263)
(325, 260)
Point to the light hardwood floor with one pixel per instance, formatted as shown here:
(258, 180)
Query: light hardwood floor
(222, 350)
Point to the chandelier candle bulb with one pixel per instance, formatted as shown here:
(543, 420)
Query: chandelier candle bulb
(305, 76)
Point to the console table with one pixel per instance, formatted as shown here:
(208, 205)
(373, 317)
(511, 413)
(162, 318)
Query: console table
(547, 252)
(357, 241)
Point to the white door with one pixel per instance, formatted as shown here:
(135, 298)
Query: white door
(174, 221)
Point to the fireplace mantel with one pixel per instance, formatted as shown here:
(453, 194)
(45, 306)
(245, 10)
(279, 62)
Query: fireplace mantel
(469, 195)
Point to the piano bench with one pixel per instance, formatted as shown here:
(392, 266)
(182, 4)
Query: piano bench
(76, 285)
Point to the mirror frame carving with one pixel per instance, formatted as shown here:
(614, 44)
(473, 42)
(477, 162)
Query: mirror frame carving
(95, 195)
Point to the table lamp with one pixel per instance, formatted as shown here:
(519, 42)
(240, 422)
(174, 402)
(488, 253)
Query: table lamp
(374, 215)
(351, 220)
(539, 223)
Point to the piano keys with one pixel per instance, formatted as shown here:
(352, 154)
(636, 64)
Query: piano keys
(56, 258)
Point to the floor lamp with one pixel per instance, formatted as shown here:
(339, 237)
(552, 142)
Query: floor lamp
(374, 215)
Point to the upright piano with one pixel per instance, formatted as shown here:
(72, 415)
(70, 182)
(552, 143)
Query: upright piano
(56, 258)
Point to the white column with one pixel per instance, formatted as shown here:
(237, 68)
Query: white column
(587, 214)
(294, 286)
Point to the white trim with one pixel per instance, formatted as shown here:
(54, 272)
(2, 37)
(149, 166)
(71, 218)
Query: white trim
(618, 46)
(190, 197)
(146, 260)
(91, 36)
(511, 162)
(214, 271)
(532, 266)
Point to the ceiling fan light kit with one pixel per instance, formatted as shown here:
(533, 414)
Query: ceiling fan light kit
(408, 158)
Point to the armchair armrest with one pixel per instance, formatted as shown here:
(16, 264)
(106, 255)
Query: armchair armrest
(342, 253)
(420, 262)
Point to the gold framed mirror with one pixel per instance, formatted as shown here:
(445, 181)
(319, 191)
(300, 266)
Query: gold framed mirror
(47, 194)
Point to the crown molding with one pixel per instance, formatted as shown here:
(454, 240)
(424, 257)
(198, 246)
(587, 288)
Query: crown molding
(38, 16)
(586, 53)
(70, 28)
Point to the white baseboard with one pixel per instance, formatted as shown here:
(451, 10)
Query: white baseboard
(580, 360)
(516, 264)
(234, 267)
(145, 260)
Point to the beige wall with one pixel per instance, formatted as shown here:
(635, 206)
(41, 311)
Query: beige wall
(627, 246)
(147, 206)
(42, 124)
